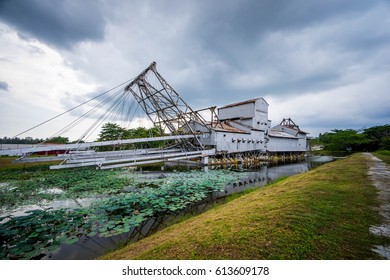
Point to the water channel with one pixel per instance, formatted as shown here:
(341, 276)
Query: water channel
(252, 176)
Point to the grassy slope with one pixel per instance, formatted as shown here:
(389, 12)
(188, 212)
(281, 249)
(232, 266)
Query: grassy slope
(383, 155)
(323, 214)
(6, 163)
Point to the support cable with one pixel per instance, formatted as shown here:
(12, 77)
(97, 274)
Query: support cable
(101, 119)
(79, 119)
(59, 115)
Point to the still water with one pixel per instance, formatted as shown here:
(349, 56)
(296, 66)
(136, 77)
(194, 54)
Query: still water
(92, 247)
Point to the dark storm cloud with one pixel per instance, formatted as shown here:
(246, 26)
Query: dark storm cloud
(61, 23)
(224, 25)
(4, 86)
(266, 47)
(323, 63)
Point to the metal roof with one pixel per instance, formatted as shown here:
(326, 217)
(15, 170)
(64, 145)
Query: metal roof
(241, 103)
(223, 126)
(291, 124)
(275, 133)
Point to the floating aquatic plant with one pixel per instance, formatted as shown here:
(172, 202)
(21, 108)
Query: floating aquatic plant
(43, 231)
(33, 183)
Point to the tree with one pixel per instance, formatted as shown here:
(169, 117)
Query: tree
(379, 137)
(371, 139)
(16, 140)
(111, 131)
(58, 140)
(385, 143)
(141, 132)
(343, 140)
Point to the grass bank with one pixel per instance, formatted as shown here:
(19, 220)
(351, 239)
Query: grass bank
(323, 214)
(383, 155)
(6, 163)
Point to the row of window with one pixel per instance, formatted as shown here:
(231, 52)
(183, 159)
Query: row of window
(246, 140)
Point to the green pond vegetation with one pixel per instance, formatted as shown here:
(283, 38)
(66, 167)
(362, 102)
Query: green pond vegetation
(123, 200)
(35, 184)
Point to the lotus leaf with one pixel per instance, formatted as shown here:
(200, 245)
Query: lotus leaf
(27, 236)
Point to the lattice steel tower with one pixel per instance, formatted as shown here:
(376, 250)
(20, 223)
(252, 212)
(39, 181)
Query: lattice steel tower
(163, 105)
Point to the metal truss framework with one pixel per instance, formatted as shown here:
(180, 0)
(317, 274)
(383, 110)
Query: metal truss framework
(163, 105)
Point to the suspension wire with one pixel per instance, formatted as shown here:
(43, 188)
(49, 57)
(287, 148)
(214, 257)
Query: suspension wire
(125, 111)
(99, 120)
(109, 112)
(93, 127)
(102, 118)
(91, 130)
(79, 119)
(123, 106)
(122, 116)
(116, 110)
(90, 112)
(132, 107)
(63, 113)
(111, 98)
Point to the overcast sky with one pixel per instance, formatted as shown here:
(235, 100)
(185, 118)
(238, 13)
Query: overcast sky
(325, 64)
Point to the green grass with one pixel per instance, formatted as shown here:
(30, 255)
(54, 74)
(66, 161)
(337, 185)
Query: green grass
(383, 155)
(323, 214)
(7, 164)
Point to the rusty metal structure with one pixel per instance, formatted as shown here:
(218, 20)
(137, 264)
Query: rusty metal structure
(163, 105)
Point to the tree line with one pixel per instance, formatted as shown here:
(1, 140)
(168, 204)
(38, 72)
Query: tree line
(370, 139)
(30, 140)
(112, 131)
(109, 131)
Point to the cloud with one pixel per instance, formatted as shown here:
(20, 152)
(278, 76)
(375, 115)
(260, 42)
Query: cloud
(355, 106)
(39, 77)
(236, 26)
(60, 23)
(4, 86)
(322, 63)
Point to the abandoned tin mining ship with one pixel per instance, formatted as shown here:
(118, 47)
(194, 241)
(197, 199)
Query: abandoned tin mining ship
(234, 133)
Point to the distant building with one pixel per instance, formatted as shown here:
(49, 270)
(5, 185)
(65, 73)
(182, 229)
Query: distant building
(287, 137)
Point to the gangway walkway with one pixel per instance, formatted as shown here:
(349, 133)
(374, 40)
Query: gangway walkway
(80, 155)
(85, 146)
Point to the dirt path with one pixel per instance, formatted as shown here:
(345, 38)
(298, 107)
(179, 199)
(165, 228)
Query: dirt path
(380, 176)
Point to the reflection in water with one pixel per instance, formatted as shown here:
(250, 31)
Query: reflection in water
(48, 204)
(262, 175)
(92, 247)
